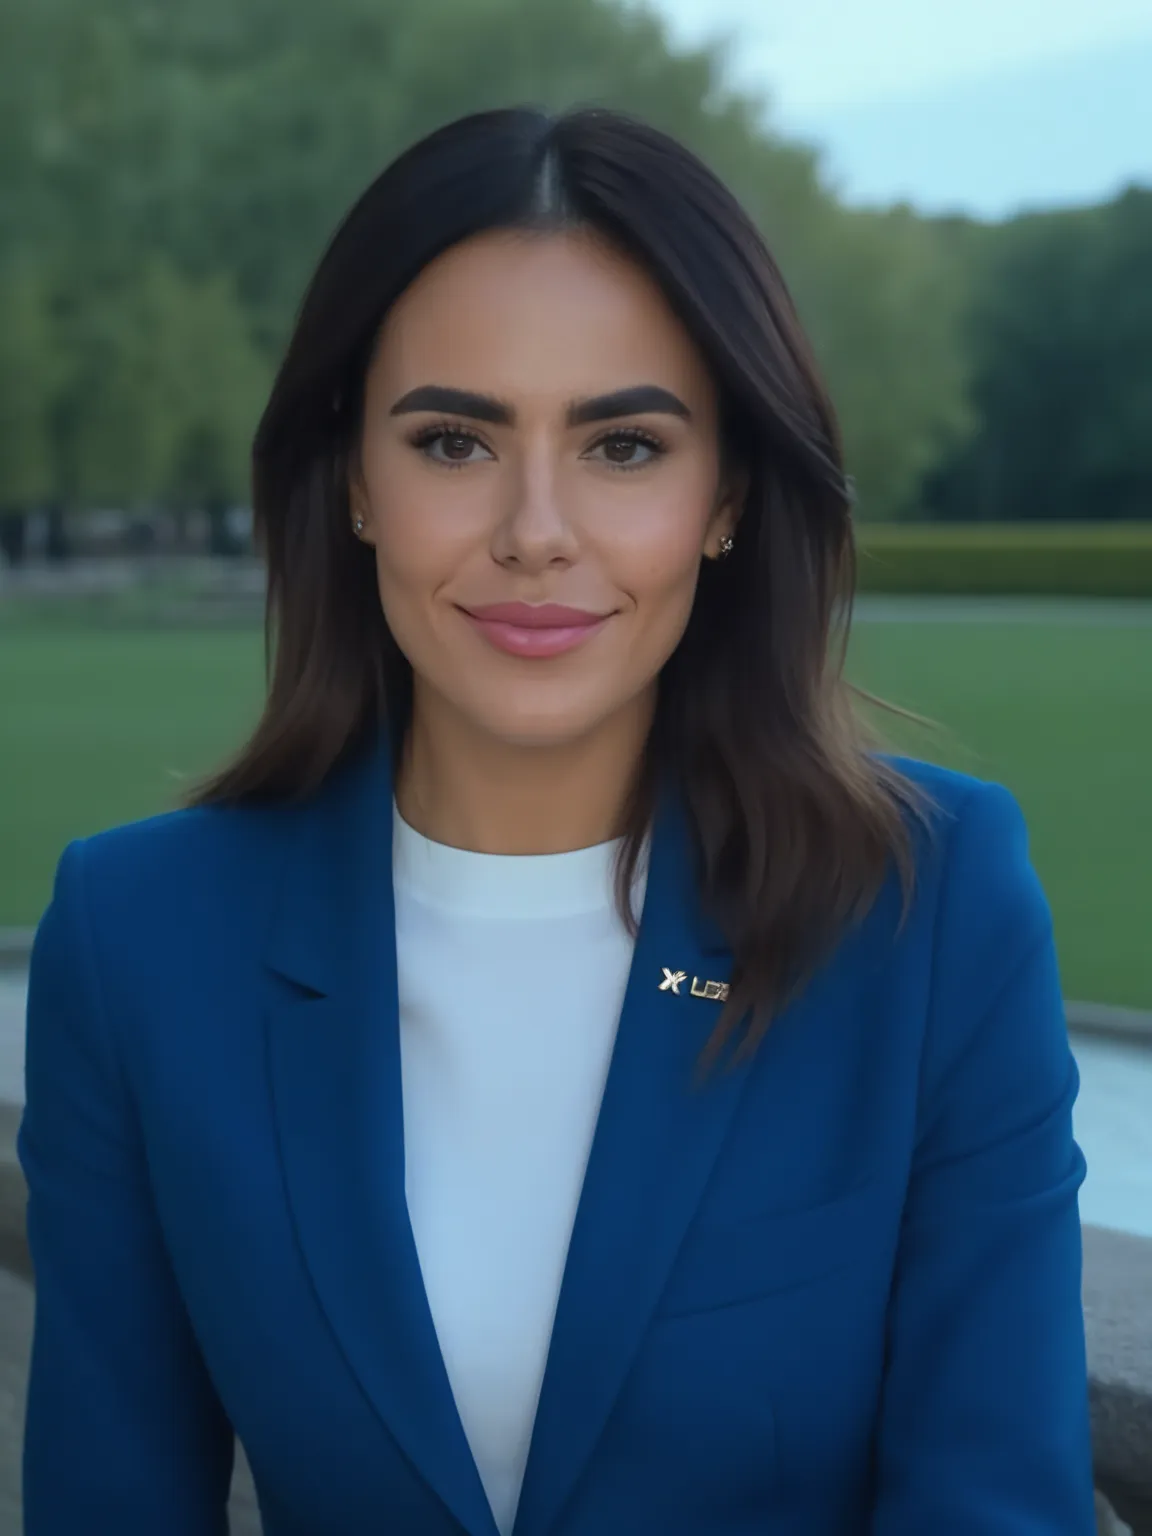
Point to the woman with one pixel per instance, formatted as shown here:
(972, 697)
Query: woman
(365, 1121)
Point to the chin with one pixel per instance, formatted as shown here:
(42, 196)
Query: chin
(537, 726)
(538, 732)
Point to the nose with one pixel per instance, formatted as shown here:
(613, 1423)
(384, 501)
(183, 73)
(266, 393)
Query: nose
(535, 531)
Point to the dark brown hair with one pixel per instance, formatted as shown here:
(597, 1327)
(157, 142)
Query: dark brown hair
(796, 817)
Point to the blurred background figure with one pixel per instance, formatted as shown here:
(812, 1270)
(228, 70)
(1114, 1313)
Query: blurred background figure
(960, 195)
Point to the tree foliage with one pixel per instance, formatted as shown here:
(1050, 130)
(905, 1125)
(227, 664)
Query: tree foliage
(1061, 337)
(172, 174)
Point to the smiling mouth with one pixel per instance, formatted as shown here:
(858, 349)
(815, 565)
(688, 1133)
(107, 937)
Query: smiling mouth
(535, 630)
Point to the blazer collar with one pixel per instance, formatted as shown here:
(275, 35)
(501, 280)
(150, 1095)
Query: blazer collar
(336, 880)
(334, 1060)
(336, 884)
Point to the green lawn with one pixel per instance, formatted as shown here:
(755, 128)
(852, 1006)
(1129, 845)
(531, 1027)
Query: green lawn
(1061, 714)
(103, 725)
(99, 726)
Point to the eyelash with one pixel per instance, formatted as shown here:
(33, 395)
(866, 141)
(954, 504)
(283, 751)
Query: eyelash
(426, 436)
(633, 435)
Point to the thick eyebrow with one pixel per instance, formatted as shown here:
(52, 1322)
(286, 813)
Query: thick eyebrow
(454, 402)
(639, 400)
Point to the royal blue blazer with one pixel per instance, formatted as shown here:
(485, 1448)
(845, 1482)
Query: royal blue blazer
(835, 1291)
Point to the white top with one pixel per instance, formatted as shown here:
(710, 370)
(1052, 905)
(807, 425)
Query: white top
(511, 978)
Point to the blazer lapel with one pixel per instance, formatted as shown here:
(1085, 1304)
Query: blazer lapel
(334, 1056)
(656, 1139)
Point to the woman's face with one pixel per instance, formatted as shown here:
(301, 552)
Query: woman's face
(540, 478)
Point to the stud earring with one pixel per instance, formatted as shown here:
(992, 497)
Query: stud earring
(726, 544)
(359, 525)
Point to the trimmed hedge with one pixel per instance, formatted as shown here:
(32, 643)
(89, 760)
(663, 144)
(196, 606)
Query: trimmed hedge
(1007, 559)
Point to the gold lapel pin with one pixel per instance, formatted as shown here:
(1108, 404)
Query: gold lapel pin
(715, 991)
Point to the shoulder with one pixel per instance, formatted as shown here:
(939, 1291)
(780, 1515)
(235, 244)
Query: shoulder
(996, 1077)
(978, 890)
(967, 818)
(143, 858)
(951, 792)
(165, 884)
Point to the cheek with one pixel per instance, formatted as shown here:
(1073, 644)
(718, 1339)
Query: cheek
(655, 544)
(424, 533)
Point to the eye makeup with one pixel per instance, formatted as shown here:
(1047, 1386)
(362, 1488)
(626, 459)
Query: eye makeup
(425, 438)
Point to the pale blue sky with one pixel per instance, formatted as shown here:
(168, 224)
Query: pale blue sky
(984, 105)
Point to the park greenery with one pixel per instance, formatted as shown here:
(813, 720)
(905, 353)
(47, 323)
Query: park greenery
(172, 173)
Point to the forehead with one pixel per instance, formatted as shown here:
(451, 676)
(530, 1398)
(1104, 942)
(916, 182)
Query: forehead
(513, 313)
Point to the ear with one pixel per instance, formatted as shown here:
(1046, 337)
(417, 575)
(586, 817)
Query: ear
(726, 513)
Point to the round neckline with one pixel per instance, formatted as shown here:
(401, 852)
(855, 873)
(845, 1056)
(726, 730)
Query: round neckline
(502, 885)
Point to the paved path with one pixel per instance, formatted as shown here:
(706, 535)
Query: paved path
(873, 608)
(1114, 1127)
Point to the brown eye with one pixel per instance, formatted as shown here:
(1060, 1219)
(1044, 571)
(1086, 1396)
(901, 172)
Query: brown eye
(450, 448)
(456, 447)
(629, 450)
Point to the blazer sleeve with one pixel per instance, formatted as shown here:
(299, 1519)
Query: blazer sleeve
(124, 1435)
(984, 1427)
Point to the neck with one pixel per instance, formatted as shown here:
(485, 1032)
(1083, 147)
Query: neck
(459, 786)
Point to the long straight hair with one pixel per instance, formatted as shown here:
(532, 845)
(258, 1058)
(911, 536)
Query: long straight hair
(795, 817)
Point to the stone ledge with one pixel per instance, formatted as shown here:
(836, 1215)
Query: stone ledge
(16, 948)
(13, 1246)
(1131, 1024)
(1117, 1320)
(1118, 1325)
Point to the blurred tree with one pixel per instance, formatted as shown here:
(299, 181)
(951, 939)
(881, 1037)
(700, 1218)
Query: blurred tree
(220, 382)
(165, 395)
(867, 285)
(29, 377)
(1061, 335)
(885, 298)
(158, 150)
(116, 426)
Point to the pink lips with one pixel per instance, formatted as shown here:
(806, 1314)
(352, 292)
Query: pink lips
(530, 629)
